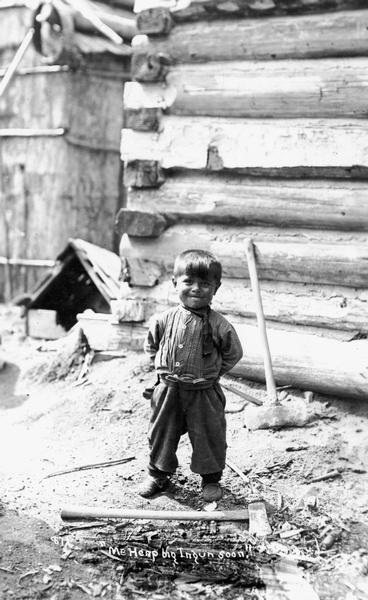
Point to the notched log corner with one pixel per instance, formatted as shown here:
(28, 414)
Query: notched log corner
(142, 119)
(150, 67)
(143, 174)
(214, 160)
(155, 21)
(139, 223)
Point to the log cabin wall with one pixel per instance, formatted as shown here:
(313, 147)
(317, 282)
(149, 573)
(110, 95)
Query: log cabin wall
(60, 122)
(249, 119)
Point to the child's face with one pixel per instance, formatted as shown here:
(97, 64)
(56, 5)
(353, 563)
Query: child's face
(195, 292)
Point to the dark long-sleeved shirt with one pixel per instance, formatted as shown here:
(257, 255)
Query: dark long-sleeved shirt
(175, 344)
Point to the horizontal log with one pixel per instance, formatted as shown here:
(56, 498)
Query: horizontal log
(292, 304)
(214, 198)
(215, 9)
(303, 88)
(307, 362)
(331, 146)
(295, 256)
(313, 36)
(304, 361)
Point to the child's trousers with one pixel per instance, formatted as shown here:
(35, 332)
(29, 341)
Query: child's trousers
(201, 413)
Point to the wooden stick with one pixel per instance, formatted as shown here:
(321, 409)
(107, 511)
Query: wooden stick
(91, 15)
(84, 512)
(16, 60)
(27, 262)
(110, 463)
(242, 394)
(236, 469)
(15, 132)
(270, 380)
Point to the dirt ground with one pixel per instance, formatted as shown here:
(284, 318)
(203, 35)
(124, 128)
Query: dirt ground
(51, 421)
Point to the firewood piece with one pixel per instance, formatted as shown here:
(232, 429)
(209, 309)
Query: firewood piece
(150, 66)
(139, 223)
(84, 512)
(143, 174)
(154, 21)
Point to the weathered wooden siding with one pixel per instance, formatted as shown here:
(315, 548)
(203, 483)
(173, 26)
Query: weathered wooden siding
(254, 125)
(59, 155)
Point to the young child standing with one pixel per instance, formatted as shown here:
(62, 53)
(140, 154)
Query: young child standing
(191, 346)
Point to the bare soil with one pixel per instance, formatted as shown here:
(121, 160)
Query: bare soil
(51, 422)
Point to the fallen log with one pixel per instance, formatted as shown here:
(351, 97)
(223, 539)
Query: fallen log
(298, 88)
(292, 256)
(237, 200)
(84, 512)
(321, 147)
(307, 362)
(313, 36)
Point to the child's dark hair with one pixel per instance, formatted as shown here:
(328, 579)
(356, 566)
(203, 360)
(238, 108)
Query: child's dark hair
(198, 263)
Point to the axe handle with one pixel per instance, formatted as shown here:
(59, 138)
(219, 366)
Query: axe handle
(252, 268)
(84, 512)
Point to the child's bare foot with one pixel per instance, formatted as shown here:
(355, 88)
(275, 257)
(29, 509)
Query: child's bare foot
(152, 486)
(211, 492)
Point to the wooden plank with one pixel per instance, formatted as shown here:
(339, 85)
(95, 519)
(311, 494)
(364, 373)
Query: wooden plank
(324, 147)
(214, 9)
(312, 36)
(45, 206)
(304, 88)
(296, 304)
(295, 256)
(237, 200)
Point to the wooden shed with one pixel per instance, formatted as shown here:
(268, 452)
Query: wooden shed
(248, 119)
(60, 123)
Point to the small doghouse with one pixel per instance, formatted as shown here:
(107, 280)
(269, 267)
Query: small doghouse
(84, 277)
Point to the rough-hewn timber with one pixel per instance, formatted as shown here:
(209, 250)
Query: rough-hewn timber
(326, 146)
(300, 256)
(212, 198)
(315, 36)
(214, 9)
(285, 88)
(292, 304)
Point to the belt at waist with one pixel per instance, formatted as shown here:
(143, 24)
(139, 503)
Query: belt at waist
(172, 381)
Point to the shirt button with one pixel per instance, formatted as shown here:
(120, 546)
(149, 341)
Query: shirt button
(181, 346)
(177, 364)
(184, 326)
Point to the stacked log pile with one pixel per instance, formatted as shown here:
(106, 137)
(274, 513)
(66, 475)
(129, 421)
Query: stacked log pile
(248, 119)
